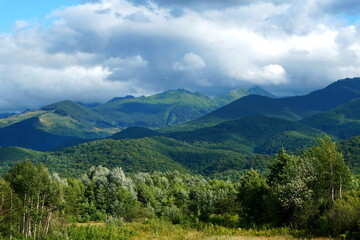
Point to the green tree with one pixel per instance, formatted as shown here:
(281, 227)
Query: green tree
(40, 197)
(333, 175)
(251, 196)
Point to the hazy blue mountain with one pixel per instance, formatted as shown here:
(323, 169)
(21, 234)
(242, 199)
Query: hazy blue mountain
(259, 91)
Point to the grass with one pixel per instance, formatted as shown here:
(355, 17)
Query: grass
(163, 230)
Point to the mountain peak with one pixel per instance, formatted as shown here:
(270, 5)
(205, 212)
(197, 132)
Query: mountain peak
(259, 91)
(116, 99)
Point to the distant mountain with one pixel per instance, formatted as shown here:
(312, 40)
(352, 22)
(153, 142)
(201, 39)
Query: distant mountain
(90, 105)
(238, 93)
(116, 99)
(290, 108)
(5, 115)
(157, 111)
(256, 90)
(29, 133)
(70, 120)
(342, 121)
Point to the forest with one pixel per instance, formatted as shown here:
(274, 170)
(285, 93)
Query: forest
(312, 193)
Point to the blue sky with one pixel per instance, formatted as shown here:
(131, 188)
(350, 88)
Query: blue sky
(105, 48)
(35, 10)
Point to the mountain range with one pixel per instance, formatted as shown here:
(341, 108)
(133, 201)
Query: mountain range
(64, 123)
(240, 135)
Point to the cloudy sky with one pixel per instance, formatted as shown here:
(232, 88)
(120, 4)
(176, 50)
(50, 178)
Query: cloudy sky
(93, 50)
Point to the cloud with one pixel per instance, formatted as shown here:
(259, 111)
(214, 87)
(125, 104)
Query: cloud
(269, 74)
(190, 62)
(101, 49)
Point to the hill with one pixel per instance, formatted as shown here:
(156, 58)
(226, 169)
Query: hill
(290, 108)
(255, 133)
(222, 100)
(156, 111)
(67, 120)
(135, 133)
(10, 155)
(146, 155)
(30, 133)
(350, 148)
(342, 121)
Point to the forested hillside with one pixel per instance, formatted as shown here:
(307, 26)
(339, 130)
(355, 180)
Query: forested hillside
(308, 194)
(290, 108)
(65, 123)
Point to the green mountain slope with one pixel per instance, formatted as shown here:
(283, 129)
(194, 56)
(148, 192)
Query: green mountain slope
(29, 133)
(156, 111)
(69, 120)
(350, 148)
(135, 133)
(222, 100)
(342, 121)
(256, 133)
(290, 108)
(10, 155)
(147, 154)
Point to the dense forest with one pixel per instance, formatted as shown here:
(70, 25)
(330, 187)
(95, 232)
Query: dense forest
(310, 193)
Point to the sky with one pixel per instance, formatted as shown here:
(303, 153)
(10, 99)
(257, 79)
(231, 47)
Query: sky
(94, 50)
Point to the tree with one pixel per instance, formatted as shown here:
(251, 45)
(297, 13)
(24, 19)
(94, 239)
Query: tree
(9, 204)
(40, 196)
(251, 193)
(333, 174)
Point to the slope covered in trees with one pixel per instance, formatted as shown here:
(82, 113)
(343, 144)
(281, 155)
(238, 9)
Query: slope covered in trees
(66, 119)
(256, 133)
(290, 108)
(312, 191)
(342, 121)
(151, 154)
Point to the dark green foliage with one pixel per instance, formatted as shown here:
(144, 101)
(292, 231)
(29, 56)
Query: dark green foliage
(38, 195)
(342, 121)
(135, 133)
(29, 134)
(350, 148)
(150, 154)
(251, 195)
(11, 155)
(256, 133)
(314, 191)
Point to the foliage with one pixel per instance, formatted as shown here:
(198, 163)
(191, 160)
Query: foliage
(314, 191)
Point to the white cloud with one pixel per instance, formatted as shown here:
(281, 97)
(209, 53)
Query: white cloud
(269, 74)
(101, 49)
(190, 62)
